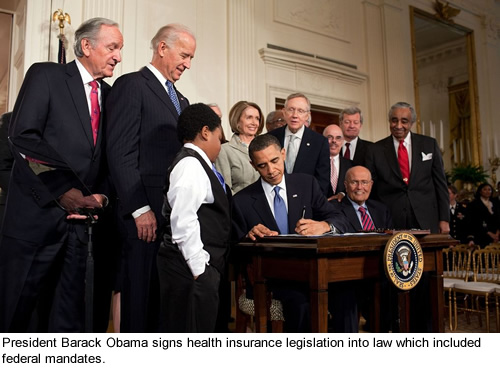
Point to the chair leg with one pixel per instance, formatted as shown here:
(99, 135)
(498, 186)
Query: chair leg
(466, 307)
(498, 313)
(487, 310)
(449, 311)
(455, 309)
(478, 309)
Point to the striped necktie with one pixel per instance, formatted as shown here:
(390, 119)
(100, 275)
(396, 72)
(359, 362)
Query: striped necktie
(334, 176)
(366, 220)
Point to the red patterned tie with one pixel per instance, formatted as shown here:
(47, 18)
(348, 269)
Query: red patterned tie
(95, 111)
(347, 152)
(366, 219)
(404, 164)
(334, 176)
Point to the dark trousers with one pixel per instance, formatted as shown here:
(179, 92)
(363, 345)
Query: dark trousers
(140, 290)
(343, 307)
(55, 271)
(188, 305)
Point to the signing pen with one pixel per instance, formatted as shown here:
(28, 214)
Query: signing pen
(304, 212)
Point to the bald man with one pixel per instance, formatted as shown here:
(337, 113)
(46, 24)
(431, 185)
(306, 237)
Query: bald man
(358, 184)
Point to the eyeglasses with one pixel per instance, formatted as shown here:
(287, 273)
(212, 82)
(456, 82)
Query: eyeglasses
(292, 110)
(279, 120)
(332, 138)
(363, 183)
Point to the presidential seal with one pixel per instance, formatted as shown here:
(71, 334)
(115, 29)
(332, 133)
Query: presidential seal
(403, 260)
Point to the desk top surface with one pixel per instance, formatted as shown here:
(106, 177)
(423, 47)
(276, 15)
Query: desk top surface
(338, 243)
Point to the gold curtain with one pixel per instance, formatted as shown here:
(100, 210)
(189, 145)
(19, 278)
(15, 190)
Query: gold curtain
(460, 122)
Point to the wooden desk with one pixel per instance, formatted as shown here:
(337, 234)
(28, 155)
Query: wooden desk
(319, 261)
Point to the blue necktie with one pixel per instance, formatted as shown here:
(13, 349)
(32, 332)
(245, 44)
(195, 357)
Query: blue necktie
(220, 177)
(173, 96)
(280, 213)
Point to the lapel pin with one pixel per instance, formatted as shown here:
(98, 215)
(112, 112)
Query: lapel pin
(294, 196)
(308, 144)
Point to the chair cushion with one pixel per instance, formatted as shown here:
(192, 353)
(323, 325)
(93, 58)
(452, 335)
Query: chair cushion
(247, 306)
(483, 287)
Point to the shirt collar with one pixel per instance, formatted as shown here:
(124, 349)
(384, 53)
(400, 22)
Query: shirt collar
(157, 74)
(86, 76)
(268, 188)
(200, 151)
(298, 134)
(356, 206)
(407, 140)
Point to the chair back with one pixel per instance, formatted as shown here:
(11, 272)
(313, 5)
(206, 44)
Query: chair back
(458, 263)
(486, 263)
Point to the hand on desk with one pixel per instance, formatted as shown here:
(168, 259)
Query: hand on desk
(311, 227)
(260, 231)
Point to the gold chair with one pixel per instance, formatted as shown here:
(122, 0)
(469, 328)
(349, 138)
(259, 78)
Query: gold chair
(457, 269)
(497, 297)
(485, 263)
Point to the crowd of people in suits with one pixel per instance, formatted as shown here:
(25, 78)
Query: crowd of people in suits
(171, 195)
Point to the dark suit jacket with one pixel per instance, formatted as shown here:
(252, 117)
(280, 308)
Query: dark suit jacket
(427, 191)
(313, 157)
(51, 114)
(480, 221)
(345, 165)
(250, 206)
(360, 153)
(141, 140)
(379, 213)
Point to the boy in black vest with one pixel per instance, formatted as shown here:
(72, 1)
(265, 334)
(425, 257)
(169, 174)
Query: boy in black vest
(196, 236)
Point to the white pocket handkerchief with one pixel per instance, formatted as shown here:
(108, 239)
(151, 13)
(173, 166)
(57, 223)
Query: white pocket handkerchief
(426, 156)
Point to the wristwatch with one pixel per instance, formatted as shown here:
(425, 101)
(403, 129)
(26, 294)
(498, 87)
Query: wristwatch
(332, 228)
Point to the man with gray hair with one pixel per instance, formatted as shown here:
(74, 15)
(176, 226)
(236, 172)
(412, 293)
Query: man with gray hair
(307, 152)
(56, 119)
(408, 175)
(144, 107)
(354, 148)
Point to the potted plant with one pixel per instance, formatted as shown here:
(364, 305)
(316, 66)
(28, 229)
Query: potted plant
(466, 178)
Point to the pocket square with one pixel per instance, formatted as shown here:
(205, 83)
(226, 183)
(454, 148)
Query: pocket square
(426, 156)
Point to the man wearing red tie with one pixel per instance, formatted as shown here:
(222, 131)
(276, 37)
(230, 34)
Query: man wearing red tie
(408, 174)
(56, 119)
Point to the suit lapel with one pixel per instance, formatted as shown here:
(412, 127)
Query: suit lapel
(416, 156)
(376, 215)
(302, 154)
(105, 88)
(77, 92)
(160, 91)
(293, 194)
(261, 207)
(392, 159)
(350, 213)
